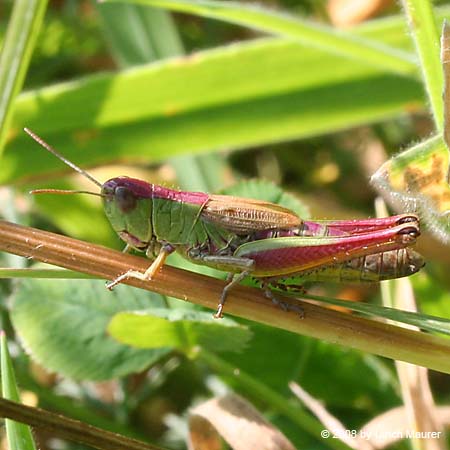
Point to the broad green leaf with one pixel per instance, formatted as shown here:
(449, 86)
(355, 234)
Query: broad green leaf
(178, 329)
(308, 32)
(416, 180)
(18, 435)
(63, 325)
(270, 192)
(20, 39)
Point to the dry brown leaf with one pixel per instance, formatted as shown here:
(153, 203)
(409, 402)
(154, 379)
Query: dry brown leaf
(393, 425)
(387, 428)
(332, 424)
(236, 421)
(420, 412)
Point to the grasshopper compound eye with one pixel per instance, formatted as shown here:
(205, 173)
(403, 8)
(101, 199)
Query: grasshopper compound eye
(125, 198)
(125, 192)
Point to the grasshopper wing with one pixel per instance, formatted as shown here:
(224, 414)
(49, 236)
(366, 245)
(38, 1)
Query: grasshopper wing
(244, 215)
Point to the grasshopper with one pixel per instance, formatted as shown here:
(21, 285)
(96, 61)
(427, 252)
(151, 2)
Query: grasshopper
(247, 237)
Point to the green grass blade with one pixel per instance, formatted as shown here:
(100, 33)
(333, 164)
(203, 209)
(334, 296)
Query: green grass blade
(18, 435)
(278, 91)
(157, 29)
(313, 34)
(204, 173)
(149, 35)
(298, 114)
(423, 321)
(20, 39)
(6, 273)
(422, 25)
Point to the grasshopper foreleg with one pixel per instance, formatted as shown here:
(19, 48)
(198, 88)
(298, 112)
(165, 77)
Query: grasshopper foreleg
(156, 265)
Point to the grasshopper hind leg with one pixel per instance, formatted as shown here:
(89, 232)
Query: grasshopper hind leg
(294, 289)
(268, 292)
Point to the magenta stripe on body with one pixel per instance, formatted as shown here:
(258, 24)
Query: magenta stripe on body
(138, 187)
(143, 189)
(195, 198)
(356, 226)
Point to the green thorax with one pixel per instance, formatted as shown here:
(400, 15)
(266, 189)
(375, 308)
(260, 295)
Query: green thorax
(182, 225)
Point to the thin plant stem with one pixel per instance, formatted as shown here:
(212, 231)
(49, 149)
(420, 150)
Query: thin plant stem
(70, 429)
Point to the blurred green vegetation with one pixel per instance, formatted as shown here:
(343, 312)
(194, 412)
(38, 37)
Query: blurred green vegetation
(101, 89)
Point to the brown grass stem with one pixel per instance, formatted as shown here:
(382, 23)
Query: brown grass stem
(319, 322)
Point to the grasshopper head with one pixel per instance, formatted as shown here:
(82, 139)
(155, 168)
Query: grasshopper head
(128, 206)
(127, 201)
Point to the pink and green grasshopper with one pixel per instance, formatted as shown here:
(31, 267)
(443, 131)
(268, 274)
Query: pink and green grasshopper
(246, 237)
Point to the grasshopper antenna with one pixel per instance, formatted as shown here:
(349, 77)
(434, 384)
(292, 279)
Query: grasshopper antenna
(63, 191)
(64, 160)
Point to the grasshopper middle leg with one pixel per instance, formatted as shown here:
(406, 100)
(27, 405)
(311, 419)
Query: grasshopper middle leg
(232, 280)
(231, 264)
